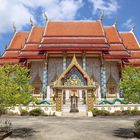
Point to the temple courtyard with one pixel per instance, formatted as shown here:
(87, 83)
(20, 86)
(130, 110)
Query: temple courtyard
(71, 128)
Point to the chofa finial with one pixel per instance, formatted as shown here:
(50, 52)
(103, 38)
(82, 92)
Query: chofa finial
(14, 27)
(116, 21)
(46, 17)
(133, 28)
(101, 15)
(5, 47)
(31, 21)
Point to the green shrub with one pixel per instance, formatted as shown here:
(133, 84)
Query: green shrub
(117, 113)
(97, 112)
(36, 112)
(126, 112)
(137, 128)
(2, 110)
(135, 112)
(24, 112)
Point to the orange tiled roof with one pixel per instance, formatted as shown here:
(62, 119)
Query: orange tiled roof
(130, 41)
(9, 61)
(83, 35)
(134, 62)
(74, 40)
(18, 40)
(11, 54)
(31, 47)
(119, 53)
(112, 34)
(135, 54)
(36, 35)
(74, 28)
(116, 47)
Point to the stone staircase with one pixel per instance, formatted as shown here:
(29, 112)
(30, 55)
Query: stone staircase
(81, 107)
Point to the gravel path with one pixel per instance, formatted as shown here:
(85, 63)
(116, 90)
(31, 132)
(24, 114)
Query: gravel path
(60, 128)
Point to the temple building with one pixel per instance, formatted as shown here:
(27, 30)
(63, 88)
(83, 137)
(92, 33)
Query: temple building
(77, 62)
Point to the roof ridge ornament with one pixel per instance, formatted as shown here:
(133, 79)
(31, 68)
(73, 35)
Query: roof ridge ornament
(31, 21)
(133, 28)
(101, 15)
(116, 21)
(5, 48)
(14, 27)
(46, 17)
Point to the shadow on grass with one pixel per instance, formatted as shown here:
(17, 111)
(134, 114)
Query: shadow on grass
(22, 132)
(124, 133)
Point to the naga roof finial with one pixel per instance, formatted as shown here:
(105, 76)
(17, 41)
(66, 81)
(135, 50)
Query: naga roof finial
(31, 21)
(5, 47)
(101, 15)
(133, 28)
(116, 21)
(46, 17)
(14, 27)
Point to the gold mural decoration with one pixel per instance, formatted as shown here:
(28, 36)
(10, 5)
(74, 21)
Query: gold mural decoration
(73, 63)
(74, 81)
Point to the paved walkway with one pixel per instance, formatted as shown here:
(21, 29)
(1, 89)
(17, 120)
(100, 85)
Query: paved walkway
(55, 128)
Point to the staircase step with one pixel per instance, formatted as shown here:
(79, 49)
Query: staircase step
(79, 114)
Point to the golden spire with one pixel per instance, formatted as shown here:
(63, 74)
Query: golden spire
(46, 17)
(31, 21)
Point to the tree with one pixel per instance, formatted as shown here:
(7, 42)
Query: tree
(14, 86)
(130, 84)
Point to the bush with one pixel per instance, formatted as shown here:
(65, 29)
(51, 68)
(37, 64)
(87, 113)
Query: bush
(2, 110)
(117, 113)
(97, 112)
(24, 112)
(137, 128)
(135, 112)
(36, 112)
(126, 112)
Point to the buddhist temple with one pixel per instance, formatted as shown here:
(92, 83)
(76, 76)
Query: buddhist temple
(77, 62)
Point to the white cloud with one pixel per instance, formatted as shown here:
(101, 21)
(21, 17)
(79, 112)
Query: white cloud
(20, 11)
(128, 24)
(109, 7)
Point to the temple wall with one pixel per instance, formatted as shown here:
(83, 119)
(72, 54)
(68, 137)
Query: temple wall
(93, 68)
(78, 59)
(36, 68)
(112, 69)
(55, 68)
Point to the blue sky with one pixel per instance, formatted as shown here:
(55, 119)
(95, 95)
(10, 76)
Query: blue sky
(20, 11)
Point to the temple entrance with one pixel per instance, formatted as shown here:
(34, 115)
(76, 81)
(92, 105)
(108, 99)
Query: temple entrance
(74, 91)
(74, 101)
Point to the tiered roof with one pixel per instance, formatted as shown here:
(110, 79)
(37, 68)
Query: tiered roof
(73, 36)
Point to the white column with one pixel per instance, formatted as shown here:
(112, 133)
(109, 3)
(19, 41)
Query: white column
(118, 92)
(67, 95)
(103, 82)
(48, 92)
(99, 95)
(84, 62)
(80, 94)
(45, 80)
(64, 62)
